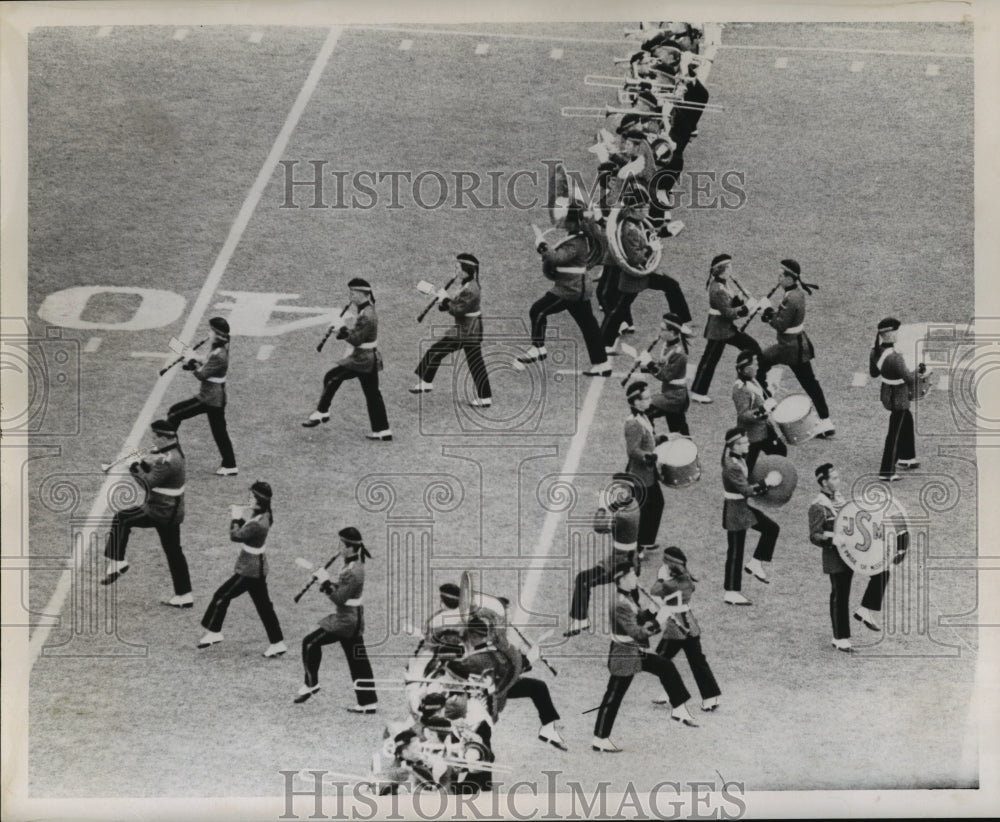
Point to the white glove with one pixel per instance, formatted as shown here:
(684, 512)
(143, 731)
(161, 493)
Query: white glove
(442, 294)
(534, 653)
(321, 574)
(770, 404)
(645, 358)
(764, 303)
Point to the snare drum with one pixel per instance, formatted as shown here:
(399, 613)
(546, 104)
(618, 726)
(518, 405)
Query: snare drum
(796, 418)
(678, 462)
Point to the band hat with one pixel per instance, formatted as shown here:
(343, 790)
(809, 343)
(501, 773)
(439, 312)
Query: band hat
(433, 701)
(622, 570)
(889, 324)
(449, 593)
(164, 428)
(791, 267)
(674, 554)
(634, 134)
(635, 389)
(733, 434)
(823, 471)
(350, 535)
(360, 284)
(220, 326)
(674, 322)
(469, 262)
(261, 490)
(744, 357)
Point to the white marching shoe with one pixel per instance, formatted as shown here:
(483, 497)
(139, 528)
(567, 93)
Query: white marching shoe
(735, 598)
(604, 745)
(549, 735)
(533, 354)
(315, 418)
(180, 601)
(683, 715)
(422, 387)
(481, 402)
(210, 639)
(843, 645)
(275, 649)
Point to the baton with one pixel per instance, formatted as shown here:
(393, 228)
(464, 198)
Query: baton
(635, 365)
(541, 658)
(181, 359)
(312, 580)
(329, 331)
(756, 311)
(420, 317)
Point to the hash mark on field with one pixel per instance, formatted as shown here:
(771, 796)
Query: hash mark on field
(556, 54)
(781, 62)
(92, 345)
(180, 34)
(860, 379)
(482, 49)
(264, 352)
(857, 65)
(405, 45)
(933, 69)
(104, 31)
(256, 37)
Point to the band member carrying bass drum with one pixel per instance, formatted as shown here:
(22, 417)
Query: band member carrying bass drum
(753, 407)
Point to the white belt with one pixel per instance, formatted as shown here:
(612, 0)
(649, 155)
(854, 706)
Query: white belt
(679, 381)
(169, 492)
(626, 546)
(251, 550)
(215, 379)
(794, 330)
(571, 269)
(887, 381)
(715, 312)
(731, 495)
(367, 346)
(353, 602)
(624, 640)
(474, 314)
(676, 609)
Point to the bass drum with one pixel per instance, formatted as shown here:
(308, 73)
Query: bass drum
(771, 464)
(633, 242)
(678, 462)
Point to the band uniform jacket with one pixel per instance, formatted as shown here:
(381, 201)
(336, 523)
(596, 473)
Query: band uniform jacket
(625, 657)
(675, 585)
(888, 364)
(673, 397)
(822, 516)
(566, 263)
(640, 441)
(748, 397)
(792, 348)
(212, 374)
(348, 620)
(736, 513)
(364, 333)
(252, 533)
(444, 624)
(721, 313)
(464, 303)
(163, 470)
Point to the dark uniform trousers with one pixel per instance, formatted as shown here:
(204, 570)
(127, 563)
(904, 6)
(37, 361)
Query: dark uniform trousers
(713, 353)
(582, 314)
(768, 530)
(602, 574)
(354, 650)
(336, 376)
(538, 692)
(700, 669)
(170, 538)
(617, 304)
(650, 514)
(807, 379)
(771, 444)
(473, 349)
(216, 421)
(899, 441)
(840, 599)
(235, 586)
(618, 686)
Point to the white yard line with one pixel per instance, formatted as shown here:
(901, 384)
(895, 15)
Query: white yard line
(198, 310)
(92, 345)
(526, 599)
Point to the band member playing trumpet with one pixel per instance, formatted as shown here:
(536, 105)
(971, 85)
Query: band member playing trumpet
(822, 517)
(898, 385)
(794, 348)
(249, 575)
(640, 442)
(738, 515)
(211, 399)
(619, 515)
(673, 588)
(565, 264)
(670, 367)
(162, 475)
(630, 654)
(753, 405)
(467, 335)
(724, 307)
(346, 625)
(363, 363)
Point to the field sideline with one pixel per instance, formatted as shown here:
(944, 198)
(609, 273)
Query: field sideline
(144, 148)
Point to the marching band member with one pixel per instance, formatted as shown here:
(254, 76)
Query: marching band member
(794, 348)
(345, 626)
(467, 335)
(445, 625)
(162, 474)
(249, 576)
(619, 513)
(674, 587)
(640, 442)
(720, 329)
(753, 403)
(671, 369)
(737, 516)
(363, 362)
(898, 384)
(630, 654)
(565, 265)
(822, 517)
(211, 399)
